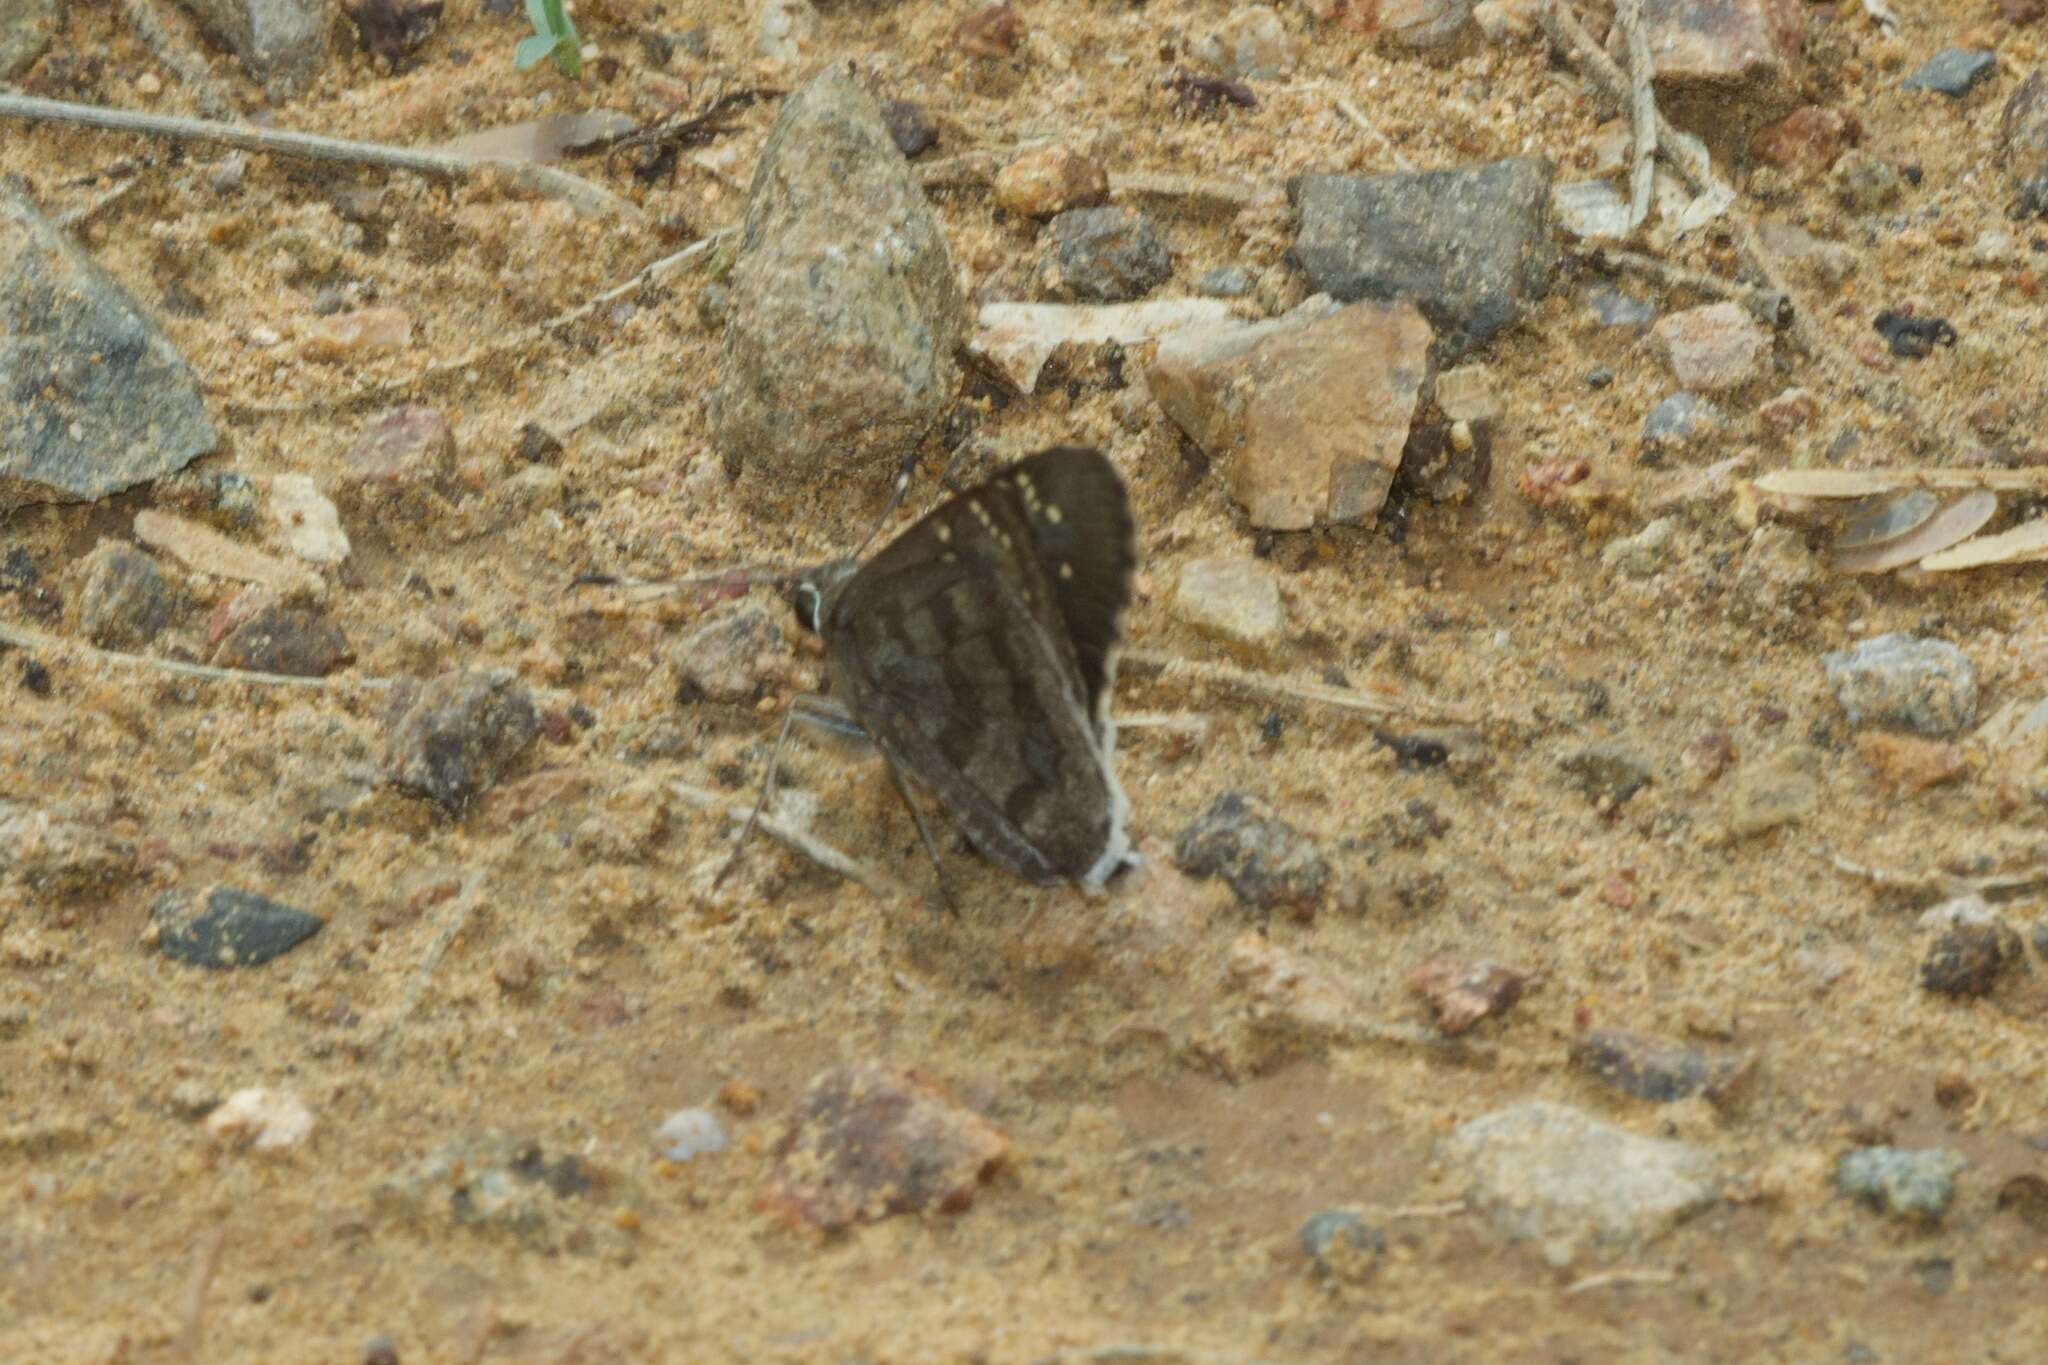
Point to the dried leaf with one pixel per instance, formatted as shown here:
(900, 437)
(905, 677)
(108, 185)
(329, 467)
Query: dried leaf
(541, 139)
(2023, 543)
(1864, 483)
(1954, 523)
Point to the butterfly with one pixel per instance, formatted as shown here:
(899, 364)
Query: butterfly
(978, 652)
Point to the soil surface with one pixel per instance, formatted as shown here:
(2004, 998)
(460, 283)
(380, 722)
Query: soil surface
(556, 966)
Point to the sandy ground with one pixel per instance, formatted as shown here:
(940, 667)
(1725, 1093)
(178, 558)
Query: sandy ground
(1161, 1168)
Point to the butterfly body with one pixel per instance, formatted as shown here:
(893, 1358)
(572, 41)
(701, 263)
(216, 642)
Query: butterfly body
(978, 651)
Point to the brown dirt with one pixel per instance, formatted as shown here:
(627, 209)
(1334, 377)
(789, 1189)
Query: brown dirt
(1163, 1164)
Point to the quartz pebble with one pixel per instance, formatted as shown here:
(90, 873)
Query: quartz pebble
(690, 1133)
(266, 1121)
(1237, 600)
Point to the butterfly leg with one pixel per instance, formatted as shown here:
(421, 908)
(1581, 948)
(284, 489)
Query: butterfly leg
(931, 849)
(818, 710)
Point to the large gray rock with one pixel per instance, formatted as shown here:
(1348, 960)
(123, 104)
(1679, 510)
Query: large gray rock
(1552, 1174)
(97, 398)
(1470, 247)
(844, 307)
(282, 43)
(26, 27)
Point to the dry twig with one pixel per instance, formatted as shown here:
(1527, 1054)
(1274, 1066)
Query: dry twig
(453, 922)
(1642, 110)
(823, 854)
(1608, 1279)
(1268, 685)
(548, 181)
(204, 1268)
(22, 638)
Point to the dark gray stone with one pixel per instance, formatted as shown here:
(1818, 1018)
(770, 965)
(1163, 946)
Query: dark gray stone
(1267, 861)
(1968, 959)
(125, 601)
(1953, 72)
(229, 928)
(96, 399)
(1226, 282)
(909, 129)
(1899, 680)
(460, 734)
(1655, 1070)
(1470, 247)
(1107, 255)
(720, 660)
(26, 27)
(1915, 1187)
(845, 309)
(282, 43)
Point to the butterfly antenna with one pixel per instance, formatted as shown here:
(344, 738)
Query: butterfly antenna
(736, 581)
(896, 494)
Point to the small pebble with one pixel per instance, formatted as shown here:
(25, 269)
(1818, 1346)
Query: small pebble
(1050, 180)
(262, 1120)
(1341, 1243)
(1235, 599)
(1599, 377)
(1953, 72)
(229, 928)
(1968, 959)
(1680, 419)
(1613, 308)
(126, 600)
(690, 1133)
(1715, 346)
(1267, 861)
(1912, 1186)
(909, 128)
(1103, 255)
(1923, 685)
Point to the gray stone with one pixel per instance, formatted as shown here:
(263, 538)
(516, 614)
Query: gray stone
(496, 1185)
(125, 601)
(1902, 681)
(720, 660)
(1953, 72)
(845, 310)
(1606, 772)
(99, 399)
(1106, 255)
(1915, 1187)
(1470, 247)
(282, 43)
(909, 127)
(690, 1133)
(298, 642)
(1340, 1240)
(1552, 1174)
(1615, 309)
(26, 27)
(1268, 862)
(460, 734)
(1251, 44)
(229, 928)
(1679, 419)
(1226, 282)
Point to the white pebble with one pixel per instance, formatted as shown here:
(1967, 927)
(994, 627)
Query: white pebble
(267, 1120)
(689, 1133)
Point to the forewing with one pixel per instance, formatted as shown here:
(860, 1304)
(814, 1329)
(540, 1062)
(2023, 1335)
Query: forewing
(953, 648)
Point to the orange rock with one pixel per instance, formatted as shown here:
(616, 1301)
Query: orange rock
(1907, 763)
(1051, 180)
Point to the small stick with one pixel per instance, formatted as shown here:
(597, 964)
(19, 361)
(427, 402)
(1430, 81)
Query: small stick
(204, 1267)
(547, 181)
(36, 640)
(517, 341)
(1642, 110)
(73, 219)
(1449, 1208)
(824, 855)
(1352, 112)
(1769, 306)
(1608, 1278)
(1878, 10)
(1268, 685)
(453, 922)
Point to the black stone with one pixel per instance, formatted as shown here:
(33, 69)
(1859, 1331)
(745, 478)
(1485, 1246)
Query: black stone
(1470, 247)
(1969, 959)
(230, 929)
(18, 571)
(35, 678)
(1606, 770)
(1911, 337)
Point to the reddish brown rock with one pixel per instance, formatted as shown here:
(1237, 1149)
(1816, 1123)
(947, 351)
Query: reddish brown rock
(1791, 411)
(995, 31)
(1733, 53)
(1051, 180)
(869, 1141)
(1546, 484)
(1310, 420)
(1460, 994)
(403, 446)
(1808, 139)
(1716, 346)
(1907, 764)
(290, 640)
